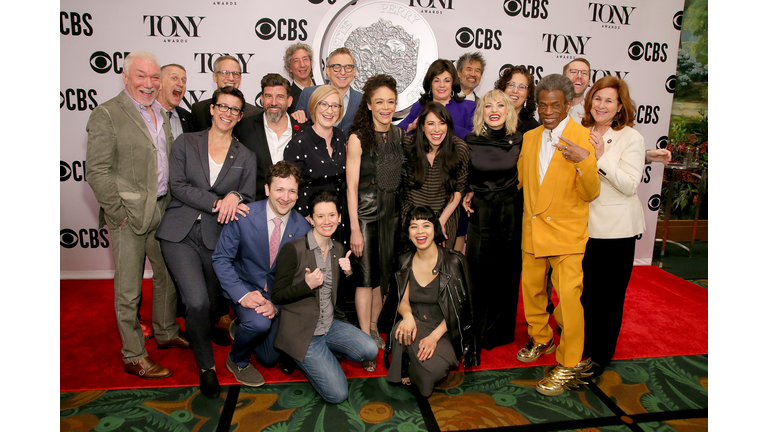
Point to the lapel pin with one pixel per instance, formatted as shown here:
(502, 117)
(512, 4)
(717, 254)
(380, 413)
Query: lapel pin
(231, 157)
(290, 235)
(609, 141)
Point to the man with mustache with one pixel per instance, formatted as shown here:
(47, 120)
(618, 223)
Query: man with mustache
(244, 261)
(557, 172)
(470, 67)
(128, 145)
(268, 134)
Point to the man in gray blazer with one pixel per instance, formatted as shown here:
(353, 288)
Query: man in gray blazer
(341, 70)
(128, 145)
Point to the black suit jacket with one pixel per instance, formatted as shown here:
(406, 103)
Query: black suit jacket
(193, 194)
(187, 122)
(201, 115)
(252, 135)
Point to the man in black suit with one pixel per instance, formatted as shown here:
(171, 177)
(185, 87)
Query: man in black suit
(298, 60)
(227, 72)
(173, 85)
(269, 133)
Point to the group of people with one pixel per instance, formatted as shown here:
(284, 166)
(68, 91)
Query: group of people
(267, 210)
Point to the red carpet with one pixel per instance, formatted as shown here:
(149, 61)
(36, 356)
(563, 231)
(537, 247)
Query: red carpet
(663, 316)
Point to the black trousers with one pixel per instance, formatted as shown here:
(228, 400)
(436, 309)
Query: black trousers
(607, 268)
(495, 263)
(190, 264)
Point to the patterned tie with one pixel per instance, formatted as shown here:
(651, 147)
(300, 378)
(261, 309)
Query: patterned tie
(274, 241)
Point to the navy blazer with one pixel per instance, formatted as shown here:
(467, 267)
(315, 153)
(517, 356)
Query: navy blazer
(253, 136)
(355, 97)
(194, 195)
(241, 257)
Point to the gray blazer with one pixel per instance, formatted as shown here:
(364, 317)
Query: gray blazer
(193, 194)
(122, 164)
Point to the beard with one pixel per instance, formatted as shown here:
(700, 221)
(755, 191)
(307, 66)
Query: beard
(274, 118)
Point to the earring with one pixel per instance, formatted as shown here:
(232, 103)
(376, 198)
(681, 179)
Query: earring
(452, 93)
(430, 93)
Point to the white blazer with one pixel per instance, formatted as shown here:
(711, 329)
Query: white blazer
(617, 212)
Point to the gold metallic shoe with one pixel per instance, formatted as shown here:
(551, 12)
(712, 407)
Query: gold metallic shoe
(532, 351)
(562, 378)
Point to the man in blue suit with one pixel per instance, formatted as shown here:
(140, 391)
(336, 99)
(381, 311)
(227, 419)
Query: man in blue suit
(244, 261)
(341, 70)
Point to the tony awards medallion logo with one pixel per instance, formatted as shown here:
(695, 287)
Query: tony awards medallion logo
(384, 37)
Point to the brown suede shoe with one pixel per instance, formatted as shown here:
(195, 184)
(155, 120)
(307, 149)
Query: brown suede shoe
(147, 368)
(179, 341)
(224, 322)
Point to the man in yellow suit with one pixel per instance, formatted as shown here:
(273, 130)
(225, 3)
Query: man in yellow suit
(558, 174)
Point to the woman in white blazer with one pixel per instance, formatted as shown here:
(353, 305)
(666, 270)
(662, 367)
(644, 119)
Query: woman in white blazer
(615, 216)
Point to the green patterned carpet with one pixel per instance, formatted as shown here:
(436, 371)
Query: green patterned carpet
(656, 394)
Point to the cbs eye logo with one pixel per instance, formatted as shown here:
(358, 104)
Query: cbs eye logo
(285, 29)
(662, 142)
(671, 83)
(654, 202)
(86, 238)
(677, 20)
(102, 62)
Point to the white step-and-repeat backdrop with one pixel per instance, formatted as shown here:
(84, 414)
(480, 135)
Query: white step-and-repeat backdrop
(634, 40)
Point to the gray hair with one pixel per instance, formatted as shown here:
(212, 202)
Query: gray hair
(470, 57)
(554, 82)
(138, 54)
(291, 50)
(225, 57)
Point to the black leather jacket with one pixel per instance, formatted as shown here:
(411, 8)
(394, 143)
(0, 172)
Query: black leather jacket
(455, 299)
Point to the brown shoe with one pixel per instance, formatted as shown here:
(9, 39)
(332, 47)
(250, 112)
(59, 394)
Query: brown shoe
(147, 368)
(224, 322)
(179, 341)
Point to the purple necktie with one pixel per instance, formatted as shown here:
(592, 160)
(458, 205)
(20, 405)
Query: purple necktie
(274, 243)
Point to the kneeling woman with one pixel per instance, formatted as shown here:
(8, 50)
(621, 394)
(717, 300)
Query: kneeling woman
(312, 328)
(434, 294)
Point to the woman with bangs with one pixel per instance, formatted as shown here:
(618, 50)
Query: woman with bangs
(436, 169)
(434, 293)
(494, 237)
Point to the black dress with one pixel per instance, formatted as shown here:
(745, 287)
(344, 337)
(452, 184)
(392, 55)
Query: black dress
(381, 175)
(427, 314)
(320, 171)
(494, 237)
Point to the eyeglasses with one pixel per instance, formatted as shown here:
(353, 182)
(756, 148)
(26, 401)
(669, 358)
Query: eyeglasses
(337, 67)
(224, 108)
(521, 87)
(226, 73)
(324, 106)
(575, 72)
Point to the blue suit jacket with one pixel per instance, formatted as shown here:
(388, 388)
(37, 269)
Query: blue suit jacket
(355, 97)
(241, 258)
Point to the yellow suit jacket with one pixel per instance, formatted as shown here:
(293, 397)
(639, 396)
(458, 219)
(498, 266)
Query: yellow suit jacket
(556, 212)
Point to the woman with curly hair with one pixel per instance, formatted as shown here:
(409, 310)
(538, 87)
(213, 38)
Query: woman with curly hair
(374, 175)
(517, 83)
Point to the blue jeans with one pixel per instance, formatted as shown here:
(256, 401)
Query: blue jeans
(321, 366)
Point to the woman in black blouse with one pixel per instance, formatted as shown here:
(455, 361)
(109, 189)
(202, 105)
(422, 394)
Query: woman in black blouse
(320, 150)
(493, 241)
(517, 83)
